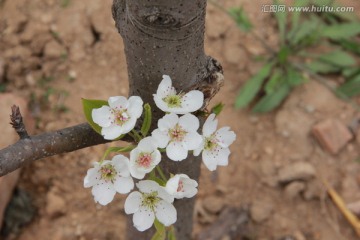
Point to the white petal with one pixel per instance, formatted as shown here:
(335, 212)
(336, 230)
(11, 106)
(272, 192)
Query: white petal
(121, 165)
(192, 101)
(103, 192)
(165, 87)
(102, 116)
(156, 157)
(143, 219)
(160, 137)
(166, 213)
(168, 121)
(92, 177)
(135, 108)
(192, 141)
(136, 172)
(213, 158)
(133, 202)
(163, 194)
(147, 186)
(118, 102)
(159, 102)
(198, 150)
(225, 137)
(128, 125)
(175, 151)
(189, 122)
(147, 144)
(172, 184)
(111, 132)
(123, 185)
(210, 125)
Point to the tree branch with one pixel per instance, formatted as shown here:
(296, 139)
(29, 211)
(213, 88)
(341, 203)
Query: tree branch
(29, 149)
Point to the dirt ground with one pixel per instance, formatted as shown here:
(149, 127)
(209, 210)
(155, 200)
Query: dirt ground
(57, 52)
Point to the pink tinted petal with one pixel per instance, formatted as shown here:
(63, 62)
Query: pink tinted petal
(175, 151)
(102, 116)
(166, 213)
(172, 184)
(133, 202)
(135, 108)
(103, 192)
(123, 185)
(225, 137)
(192, 141)
(111, 132)
(143, 219)
(192, 101)
(189, 122)
(118, 102)
(210, 125)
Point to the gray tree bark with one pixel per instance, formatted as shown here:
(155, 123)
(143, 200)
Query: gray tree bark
(167, 37)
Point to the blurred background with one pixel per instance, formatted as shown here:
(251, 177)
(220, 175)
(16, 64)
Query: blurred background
(292, 85)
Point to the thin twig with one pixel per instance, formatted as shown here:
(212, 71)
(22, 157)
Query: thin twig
(17, 122)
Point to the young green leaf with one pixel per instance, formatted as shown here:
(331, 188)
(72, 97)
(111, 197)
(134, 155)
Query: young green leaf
(274, 81)
(351, 72)
(147, 120)
(305, 30)
(296, 14)
(293, 77)
(341, 31)
(281, 22)
(338, 58)
(240, 18)
(318, 66)
(272, 100)
(350, 45)
(350, 88)
(217, 108)
(88, 106)
(252, 86)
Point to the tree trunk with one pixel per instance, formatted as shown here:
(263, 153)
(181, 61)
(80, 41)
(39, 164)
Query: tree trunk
(165, 37)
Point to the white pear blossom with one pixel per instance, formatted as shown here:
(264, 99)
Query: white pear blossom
(108, 177)
(178, 135)
(151, 201)
(168, 100)
(119, 117)
(215, 146)
(181, 186)
(144, 158)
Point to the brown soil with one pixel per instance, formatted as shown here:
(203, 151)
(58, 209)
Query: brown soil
(55, 55)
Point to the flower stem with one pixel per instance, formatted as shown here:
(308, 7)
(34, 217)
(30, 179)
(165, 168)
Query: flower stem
(137, 136)
(161, 173)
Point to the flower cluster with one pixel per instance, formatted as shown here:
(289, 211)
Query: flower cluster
(177, 134)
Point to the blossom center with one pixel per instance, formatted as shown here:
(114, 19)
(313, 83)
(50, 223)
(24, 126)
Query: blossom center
(150, 200)
(173, 101)
(121, 116)
(108, 172)
(144, 160)
(177, 133)
(180, 186)
(210, 143)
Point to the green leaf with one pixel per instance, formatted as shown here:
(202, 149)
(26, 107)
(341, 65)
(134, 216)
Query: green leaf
(283, 54)
(281, 22)
(296, 14)
(350, 88)
(317, 66)
(274, 81)
(350, 45)
(351, 72)
(252, 86)
(338, 58)
(147, 120)
(341, 31)
(241, 19)
(272, 100)
(88, 106)
(305, 30)
(217, 108)
(294, 77)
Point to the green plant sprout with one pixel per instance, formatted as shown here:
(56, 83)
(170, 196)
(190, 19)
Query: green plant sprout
(299, 33)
